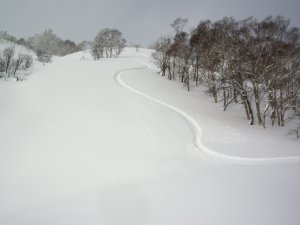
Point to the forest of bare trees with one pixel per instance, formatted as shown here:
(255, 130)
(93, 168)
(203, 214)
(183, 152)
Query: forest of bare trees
(248, 62)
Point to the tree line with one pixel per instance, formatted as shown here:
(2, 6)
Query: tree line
(108, 43)
(45, 44)
(248, 62)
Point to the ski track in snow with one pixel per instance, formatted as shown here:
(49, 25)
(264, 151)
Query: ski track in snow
(196, 130)
(125, 98)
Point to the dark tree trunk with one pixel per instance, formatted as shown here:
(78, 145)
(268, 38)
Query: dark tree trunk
(257, 104)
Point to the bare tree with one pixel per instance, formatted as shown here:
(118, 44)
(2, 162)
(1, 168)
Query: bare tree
(8, 54)
(181, 56)
(161, 56)
(17, 63)
(22, 62)
(120, 46)
(28, 61)
(179, 24)
(2, 65)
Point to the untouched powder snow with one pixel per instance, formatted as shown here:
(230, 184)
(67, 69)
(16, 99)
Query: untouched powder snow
(79, 146)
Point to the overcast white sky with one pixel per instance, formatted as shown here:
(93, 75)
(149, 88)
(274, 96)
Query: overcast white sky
(141, 21)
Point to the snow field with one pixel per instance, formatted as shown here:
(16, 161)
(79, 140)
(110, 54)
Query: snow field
(77, 148)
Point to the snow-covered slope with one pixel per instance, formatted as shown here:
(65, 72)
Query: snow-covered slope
(80, 146)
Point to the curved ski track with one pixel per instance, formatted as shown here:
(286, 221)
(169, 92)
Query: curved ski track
(196, 130)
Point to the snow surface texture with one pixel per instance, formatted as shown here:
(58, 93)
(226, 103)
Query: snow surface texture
(77, 148)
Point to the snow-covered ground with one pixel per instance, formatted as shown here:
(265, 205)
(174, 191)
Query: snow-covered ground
(111, 142)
